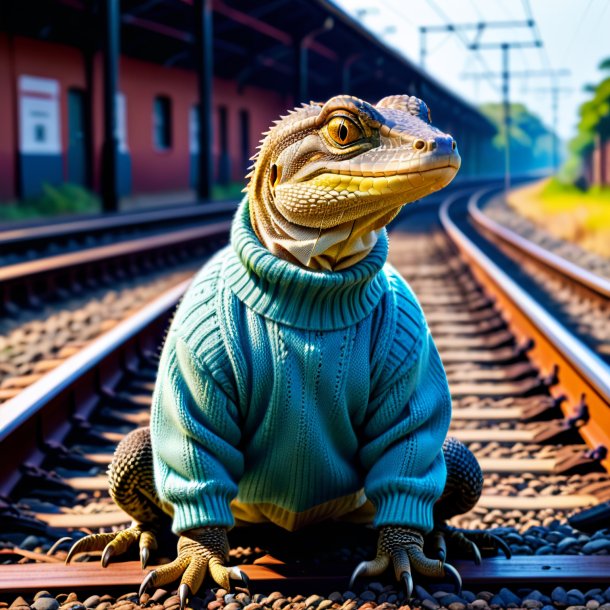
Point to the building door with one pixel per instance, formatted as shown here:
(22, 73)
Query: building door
(77, 138)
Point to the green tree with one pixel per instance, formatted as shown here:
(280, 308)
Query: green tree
(594, 122)
(531, 143)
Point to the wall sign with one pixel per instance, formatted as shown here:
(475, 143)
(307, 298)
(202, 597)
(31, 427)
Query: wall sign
(39, 119)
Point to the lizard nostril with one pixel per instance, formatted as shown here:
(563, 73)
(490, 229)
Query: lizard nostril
(453, 145)
(432, 145)
(419, 145)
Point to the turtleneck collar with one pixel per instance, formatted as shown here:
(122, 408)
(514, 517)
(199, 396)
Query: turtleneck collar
(299, 297)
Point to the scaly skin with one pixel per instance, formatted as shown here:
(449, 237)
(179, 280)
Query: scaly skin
(327, 178)
(319, 201)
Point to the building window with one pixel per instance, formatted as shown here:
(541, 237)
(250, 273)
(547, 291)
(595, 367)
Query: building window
(162, 122)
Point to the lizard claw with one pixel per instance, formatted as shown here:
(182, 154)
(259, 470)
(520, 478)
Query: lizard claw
(144, 557)
(476, 554)
(501, 545)
(57, 544)
(148, 580)
(236, 574)
(454, 576)
(106, 555)
(360, 569)
(408, 581)
(183, 593)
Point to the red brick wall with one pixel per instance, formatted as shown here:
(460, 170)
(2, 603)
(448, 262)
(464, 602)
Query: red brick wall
(152, 170)
(7, 119)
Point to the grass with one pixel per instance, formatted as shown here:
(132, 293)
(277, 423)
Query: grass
(233, 190)
(567, 212)
(67, 199)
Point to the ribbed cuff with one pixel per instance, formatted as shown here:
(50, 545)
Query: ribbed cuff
(206, 511)
(407, 510)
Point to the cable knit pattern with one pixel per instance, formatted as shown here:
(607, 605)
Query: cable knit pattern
(290, 395)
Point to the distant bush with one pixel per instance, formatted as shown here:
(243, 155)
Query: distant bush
(66, 199)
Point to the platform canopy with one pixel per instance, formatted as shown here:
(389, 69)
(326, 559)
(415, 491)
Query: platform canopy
(309, 49)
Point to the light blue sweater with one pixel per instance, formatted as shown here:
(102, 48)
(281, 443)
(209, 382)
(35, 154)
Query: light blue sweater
(291, 396)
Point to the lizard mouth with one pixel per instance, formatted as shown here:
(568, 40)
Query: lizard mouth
(408, 167)
(363, 183)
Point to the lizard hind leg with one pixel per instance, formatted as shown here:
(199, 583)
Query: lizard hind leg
(132, 487)
(462, 491)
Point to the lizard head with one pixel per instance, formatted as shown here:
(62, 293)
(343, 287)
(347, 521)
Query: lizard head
(328, 177)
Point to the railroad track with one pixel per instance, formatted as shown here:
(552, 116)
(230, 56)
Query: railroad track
(55, 304)
(34, 241)
(577, 285)
(64, 259)
(510, 407)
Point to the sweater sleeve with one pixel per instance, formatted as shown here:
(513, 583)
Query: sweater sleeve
(195, 433)
(406, 425)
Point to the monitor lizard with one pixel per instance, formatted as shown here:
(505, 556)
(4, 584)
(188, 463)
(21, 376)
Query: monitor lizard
(325, 182)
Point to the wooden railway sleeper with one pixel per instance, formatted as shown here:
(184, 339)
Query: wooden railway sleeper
(87, 433)
(544, 410)
(471, 372)
(13, 518)
(564, 431)
(45, 485)
(592, 519)
(67, 458)
(122, 400)
(524, 387)
(501, 355)
(573, 460)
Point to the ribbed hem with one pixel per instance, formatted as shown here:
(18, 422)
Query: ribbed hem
(408, 510)
(302, 298)
(206, 512)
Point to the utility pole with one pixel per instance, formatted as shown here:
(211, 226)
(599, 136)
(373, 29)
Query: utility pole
(476, 45)
(555, 90)
(478, 27)
(506, 47)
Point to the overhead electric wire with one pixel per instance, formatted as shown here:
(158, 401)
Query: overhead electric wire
(465, 42)
(576, 30)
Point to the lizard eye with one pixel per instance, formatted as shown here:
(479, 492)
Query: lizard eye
(343, 131)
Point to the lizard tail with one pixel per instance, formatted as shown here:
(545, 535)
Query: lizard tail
(464, 481)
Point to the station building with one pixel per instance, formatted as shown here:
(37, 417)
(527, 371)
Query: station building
(236, 65)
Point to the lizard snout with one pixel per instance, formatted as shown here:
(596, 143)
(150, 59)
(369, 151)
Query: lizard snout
(444, 145)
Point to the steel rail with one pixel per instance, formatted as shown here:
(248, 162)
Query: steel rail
(269, 574)
(581, 371)
(557, 263)
(62, 262)
(86, 226)
(31, 417)
(31, 283)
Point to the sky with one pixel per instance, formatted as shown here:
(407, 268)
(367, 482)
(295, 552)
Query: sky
(575, 36)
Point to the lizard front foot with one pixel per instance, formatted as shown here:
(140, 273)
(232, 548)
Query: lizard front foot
(117, 543)
(403, 547)
(199, 550)
(467, 542)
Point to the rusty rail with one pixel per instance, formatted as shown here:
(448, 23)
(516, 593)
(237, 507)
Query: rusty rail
(44, 409)
(581, 371)
(34, 281)
(555, 262)
(268, 575)
(31, 236)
